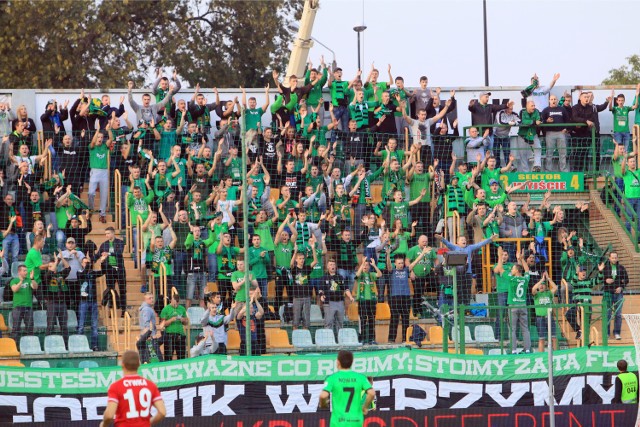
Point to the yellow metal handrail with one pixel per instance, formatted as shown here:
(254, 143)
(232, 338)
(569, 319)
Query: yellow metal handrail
(487, 267)
(114, 319)
(117, 178)
(596, 335)
(162, 275)
(128, 225)
(139, 241)
(127, 331)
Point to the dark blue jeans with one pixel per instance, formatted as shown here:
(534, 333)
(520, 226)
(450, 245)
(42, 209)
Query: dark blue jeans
(501, 143)
(180, 278)
(90, 308)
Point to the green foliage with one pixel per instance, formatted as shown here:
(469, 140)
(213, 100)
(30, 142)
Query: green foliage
(625, 75)
(85, 43)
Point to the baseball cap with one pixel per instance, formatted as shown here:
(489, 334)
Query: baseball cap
(582, 269)
(73, 217)
(485, 93)
(71, 240)
(493, 181)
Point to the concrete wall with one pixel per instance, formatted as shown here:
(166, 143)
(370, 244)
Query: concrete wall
(36, 100)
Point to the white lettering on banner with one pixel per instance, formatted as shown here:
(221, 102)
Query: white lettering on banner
(42, 403)
(91, 404)
(328, 367)
(186, 395)
(221, 405)
(194, 370)
(402, 401)
(517, 391)
(383, 388)
(596, 382)
(405, 393)
(600, 358)
(295, 397)
(473, 393)
(169, 397)
(572, 393)
(524, 368)
(425, 363)
(21, 405)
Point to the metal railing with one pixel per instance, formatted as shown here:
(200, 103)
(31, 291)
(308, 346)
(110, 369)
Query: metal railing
(139, 243)
(627, 217)
(597, 313)
(127, 331)
(580, 148)
(114, 319)
(117, 188)
(487, 266)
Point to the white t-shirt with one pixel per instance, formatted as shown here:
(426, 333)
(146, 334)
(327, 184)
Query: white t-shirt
(31, 160)
(540, 96)
(421, 132)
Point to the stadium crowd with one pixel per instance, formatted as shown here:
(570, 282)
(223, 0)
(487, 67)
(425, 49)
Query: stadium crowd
(317, 225)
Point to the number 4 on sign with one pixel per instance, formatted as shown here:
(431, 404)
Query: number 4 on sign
(575, 184)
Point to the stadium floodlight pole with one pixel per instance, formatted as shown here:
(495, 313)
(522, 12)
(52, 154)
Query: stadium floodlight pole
(486, 50)
(334, 63)
(552, 413)
(358, 29)
(245, 231)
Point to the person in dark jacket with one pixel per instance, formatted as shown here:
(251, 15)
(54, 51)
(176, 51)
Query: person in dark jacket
(482, 113)
(53, 120)
(88, 298)
(583, 112)
(81, 116)
(113, 266)
(56, 294)
(109, 110)
(615, 281)
(78, 227)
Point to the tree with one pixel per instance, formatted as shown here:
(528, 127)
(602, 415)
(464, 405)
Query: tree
(81, 43)
(88, 43)
(626, 74)
(235, 43)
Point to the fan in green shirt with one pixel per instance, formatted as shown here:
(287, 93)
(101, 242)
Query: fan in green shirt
(139, 205)
(162, 254)
(346, 388)
(400, 238)
(315, 94)
(259, 258)
(375, 89)
(23, 288)
(501, 270)
(252, 115)
(99, 151)
(420, 180)
(237, 281)
(390, 151)
(174, 317)
(631, 178)
(33, 261)
(427, 262)
(621, 112)
(488, 171)
(398, 95)
(400, 210)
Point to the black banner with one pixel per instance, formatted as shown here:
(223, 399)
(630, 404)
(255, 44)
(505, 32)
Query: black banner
(565, 416)
(403, 393)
